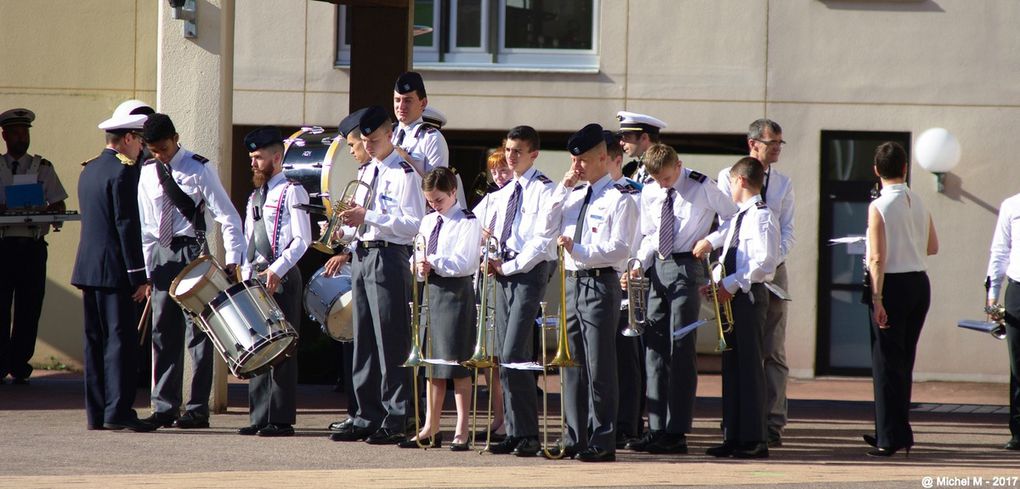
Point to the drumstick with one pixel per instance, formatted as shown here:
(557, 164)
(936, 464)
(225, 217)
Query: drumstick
(142, 323)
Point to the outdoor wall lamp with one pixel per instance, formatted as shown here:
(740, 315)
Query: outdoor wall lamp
(937, 151)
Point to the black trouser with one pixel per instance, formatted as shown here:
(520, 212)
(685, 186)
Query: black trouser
(1012, 302)
(906, 300)
(111, 346)
(23, 284)
(272, 396)
(743, 372)
(630, 370)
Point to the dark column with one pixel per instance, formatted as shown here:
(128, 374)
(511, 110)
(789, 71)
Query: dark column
(381, 41)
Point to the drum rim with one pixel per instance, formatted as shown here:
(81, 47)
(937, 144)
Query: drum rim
(187, 268)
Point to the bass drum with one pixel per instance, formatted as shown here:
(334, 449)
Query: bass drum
(327, 300)
(320, 162)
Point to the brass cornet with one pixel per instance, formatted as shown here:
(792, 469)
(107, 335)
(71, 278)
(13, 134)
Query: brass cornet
(997, 313)
(637, 306)
(482, 358)
(561, 360)
(419, 310)
(327, 242)
(723, 311)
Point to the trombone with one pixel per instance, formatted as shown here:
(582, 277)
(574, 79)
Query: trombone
(327, 242)
(723, 311)
(637, 306)
(997, 313)
(481, 357)
(561, 360)
(419, 309)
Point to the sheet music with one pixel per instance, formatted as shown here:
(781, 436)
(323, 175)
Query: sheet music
(529, 366)
(846, 240)
(680, 333)
(440, 361)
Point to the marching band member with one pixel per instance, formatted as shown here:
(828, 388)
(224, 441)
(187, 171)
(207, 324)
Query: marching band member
(629, 350)
(595, 224)
(901, 235)
(451, 258)
(381, 282)
(1004, 264)
(677, 210)
(765, 140)
(278, 234)
(522, 272)
(110, 271)
(750, 242)
(23, 252)
(638, 132)
(175, 188)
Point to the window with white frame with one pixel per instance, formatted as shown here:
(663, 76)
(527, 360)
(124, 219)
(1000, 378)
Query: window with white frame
(495, 34)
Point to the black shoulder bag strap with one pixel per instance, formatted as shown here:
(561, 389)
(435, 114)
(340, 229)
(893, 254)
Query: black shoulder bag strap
(195, 214)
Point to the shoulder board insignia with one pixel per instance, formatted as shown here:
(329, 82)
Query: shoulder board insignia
(761, 205)
(468, 214)
(579, 187)
(86, 162)
(542, 178)
(124, 160)
(697, 177)
(624, 189)
(199, 158)
(406, 166)
(149, 161)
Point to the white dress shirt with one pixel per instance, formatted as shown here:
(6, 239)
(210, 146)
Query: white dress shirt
(1005, 257)
(778, 195)
(610, 223)
(695, 204)
(424, 143)
(906, 222)
(291, 238)
(528, 236)
(46, 175)
(398, 204)
(632, 189)
(457, 252)
(757, 245)
(199, 181)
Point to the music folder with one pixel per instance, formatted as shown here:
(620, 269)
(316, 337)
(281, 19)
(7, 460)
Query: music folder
(983, 326)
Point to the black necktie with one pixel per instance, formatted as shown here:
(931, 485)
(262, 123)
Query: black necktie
(511, 214)
(765, 188)
(14, 167)
(400, 137)
(580, 217)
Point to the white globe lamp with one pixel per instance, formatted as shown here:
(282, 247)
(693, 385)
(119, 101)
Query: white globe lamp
(938, 151)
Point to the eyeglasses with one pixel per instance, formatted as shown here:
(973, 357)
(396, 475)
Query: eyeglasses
(779, 142)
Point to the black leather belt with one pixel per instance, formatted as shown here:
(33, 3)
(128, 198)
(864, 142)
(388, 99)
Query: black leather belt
(676, 256)
(508, 255)
(183, 240)
(591, 272)
(376, 244)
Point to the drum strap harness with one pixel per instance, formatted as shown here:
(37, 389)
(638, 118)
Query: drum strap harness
(261, 242)
(195, 214)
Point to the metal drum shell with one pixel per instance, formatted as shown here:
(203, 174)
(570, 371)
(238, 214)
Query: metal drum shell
(323, 302)
(211, 282)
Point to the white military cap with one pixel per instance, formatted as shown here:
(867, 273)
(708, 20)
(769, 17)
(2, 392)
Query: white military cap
(131, 107)
(124, 123)
(634, 122)
(433, 117)
(17, 117)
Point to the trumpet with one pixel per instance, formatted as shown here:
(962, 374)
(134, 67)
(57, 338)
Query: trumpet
(997, 313)
(419, 309)
(481, 357)
(724, 311)
(637, 307)
(561, 360)
(327, 242)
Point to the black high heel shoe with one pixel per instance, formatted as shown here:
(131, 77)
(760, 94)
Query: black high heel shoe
(436, 442)
(888, 452)
(870, 440)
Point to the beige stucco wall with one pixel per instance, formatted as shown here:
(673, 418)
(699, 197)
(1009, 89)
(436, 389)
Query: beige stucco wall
(72, 63)
(701, 65)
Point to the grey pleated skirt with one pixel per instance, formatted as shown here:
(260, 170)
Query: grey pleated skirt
(452, 318)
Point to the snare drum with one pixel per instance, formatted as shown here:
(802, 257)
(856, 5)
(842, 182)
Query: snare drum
(319, 161)
(327, 300)
(198, 284)
(248, 328)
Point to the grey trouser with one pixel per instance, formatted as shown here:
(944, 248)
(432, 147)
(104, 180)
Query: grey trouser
(381, 281)
(672, 366)
(171, 331)
(774, 347)
(591, 390)
(272, 396)
(517, 306)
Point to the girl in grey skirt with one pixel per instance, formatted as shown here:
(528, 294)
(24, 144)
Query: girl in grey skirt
(451, 259)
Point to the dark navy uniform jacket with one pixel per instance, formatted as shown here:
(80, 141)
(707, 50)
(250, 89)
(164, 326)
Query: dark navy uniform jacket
(110, 248)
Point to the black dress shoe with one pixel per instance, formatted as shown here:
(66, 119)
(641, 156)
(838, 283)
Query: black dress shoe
(1013, 444)
(668, 443)
(870, 440)
(724, 450)
(775, 441)
(569, 451)
(641, 444)
(161, 420)
(622, 439)
(340, 425)
(458, 447)
(250, 430)
(190, 420)
(528, 447)
(596, 454)
(384, 436)
(888, 452)
(136, 425)
(271, 430)
(506, 446)
(433, 442)
(351, 433)
(753, 450)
